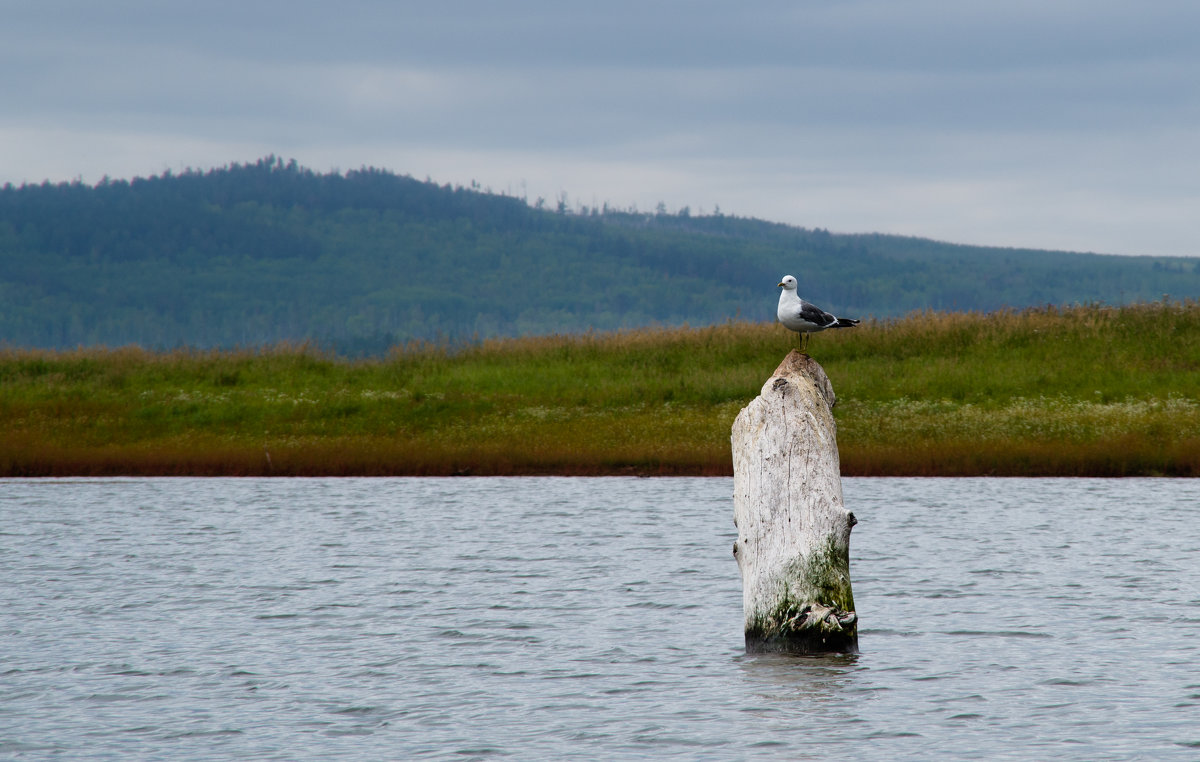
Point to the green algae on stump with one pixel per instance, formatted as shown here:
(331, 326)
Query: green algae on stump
(793, 544)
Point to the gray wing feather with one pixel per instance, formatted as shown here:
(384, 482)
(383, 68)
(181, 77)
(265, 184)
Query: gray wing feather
(816, 315)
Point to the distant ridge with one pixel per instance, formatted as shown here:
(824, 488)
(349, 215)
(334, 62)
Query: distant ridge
(259, 253)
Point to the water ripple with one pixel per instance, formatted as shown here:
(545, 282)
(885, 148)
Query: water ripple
(586, 618)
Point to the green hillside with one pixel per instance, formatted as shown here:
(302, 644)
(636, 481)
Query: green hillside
(250, 255)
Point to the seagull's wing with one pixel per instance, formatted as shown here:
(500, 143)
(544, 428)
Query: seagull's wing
(815, 315)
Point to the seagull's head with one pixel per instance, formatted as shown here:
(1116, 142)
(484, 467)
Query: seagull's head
(788, 283)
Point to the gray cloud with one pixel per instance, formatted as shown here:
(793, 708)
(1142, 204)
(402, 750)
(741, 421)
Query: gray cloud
(1058, 124)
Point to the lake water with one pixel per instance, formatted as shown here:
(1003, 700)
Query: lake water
(554, 618)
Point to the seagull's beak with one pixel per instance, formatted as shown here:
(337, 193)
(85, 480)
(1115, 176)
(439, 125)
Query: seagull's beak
(780, 285)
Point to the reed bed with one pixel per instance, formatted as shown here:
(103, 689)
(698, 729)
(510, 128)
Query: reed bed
(1086, 390)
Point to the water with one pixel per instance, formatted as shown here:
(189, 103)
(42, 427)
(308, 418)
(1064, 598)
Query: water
(587, 618)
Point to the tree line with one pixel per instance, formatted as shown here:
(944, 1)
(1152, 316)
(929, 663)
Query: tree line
(264, 252)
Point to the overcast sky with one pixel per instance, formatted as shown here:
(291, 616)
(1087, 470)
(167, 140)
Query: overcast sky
(1056, 124)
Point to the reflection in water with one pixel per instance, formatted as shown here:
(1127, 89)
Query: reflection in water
(788, 677)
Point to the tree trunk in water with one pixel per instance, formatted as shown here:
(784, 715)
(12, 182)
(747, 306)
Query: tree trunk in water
(793, 545)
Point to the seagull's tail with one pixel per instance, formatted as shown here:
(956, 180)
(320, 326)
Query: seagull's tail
(845, 323)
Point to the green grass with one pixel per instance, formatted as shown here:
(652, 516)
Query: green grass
(1079, 391)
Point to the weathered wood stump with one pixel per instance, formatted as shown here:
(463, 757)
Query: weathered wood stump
(793, 544)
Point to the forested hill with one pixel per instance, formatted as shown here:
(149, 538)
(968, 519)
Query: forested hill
(260, 253)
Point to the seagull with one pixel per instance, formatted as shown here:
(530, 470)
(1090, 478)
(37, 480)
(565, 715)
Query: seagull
(802, 317)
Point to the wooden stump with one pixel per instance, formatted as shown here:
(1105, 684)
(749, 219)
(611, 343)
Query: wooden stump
(793, 545)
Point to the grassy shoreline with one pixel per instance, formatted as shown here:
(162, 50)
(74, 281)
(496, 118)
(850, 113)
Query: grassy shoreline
(1082, 391)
